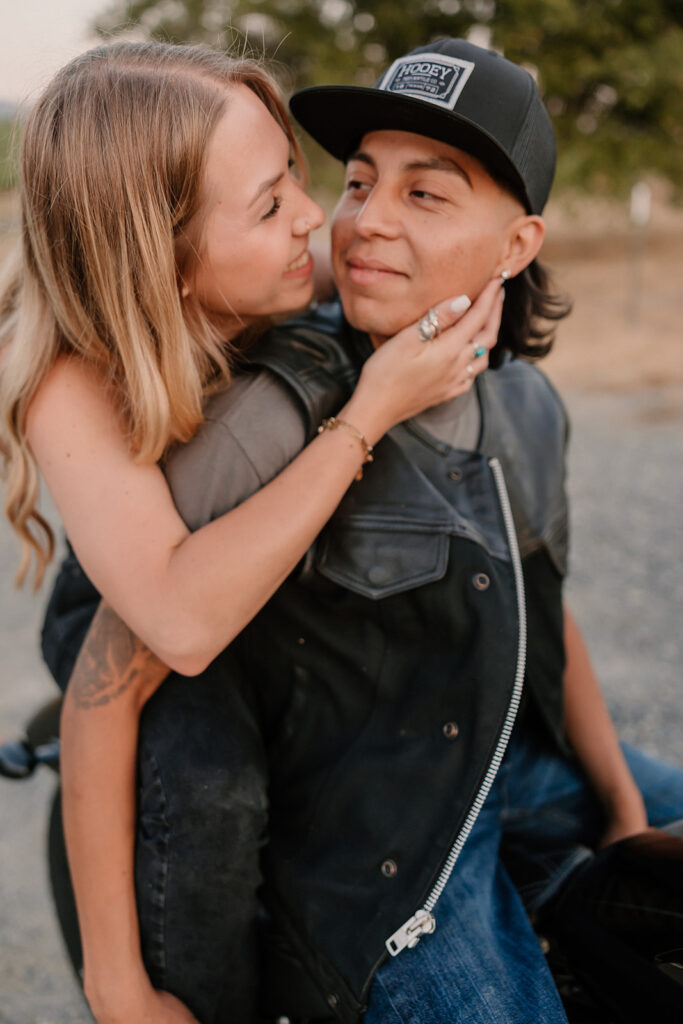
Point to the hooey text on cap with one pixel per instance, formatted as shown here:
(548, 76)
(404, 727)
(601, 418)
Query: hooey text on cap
(432, 77)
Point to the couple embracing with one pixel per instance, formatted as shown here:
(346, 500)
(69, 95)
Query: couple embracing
(304, 818)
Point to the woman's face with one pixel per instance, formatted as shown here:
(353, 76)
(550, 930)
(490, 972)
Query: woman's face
(254, 221)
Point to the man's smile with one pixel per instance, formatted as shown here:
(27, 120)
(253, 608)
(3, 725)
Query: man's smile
(370, 271)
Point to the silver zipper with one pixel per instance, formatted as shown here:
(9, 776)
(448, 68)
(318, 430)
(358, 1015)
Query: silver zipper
(423, 922)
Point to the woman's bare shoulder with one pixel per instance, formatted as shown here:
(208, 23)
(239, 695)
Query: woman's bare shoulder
(73, 393)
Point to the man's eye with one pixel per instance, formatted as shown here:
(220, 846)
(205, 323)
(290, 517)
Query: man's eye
(277, 203)
(422, 194)
(354, 185)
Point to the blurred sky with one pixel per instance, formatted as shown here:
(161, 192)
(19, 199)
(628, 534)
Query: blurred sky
(37, 37)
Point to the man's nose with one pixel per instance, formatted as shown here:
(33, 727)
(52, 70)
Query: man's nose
(379, 214)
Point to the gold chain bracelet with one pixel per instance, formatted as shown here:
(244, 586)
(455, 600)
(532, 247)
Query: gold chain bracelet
(333, 422)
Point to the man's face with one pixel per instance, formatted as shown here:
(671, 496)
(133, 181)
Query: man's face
(418, 221)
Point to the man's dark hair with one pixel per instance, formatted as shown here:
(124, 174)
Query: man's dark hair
(530, 314)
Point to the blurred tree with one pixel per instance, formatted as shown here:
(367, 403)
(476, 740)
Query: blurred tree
(8, 161)
(611, 71)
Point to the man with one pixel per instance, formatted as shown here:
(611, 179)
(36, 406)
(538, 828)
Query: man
(390, 670)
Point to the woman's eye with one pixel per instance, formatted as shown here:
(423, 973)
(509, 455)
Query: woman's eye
(277, 203)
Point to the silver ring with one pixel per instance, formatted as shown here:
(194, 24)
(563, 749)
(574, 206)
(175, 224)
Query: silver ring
(469, 369)
(428, 327)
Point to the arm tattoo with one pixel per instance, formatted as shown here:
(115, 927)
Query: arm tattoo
(110, 661)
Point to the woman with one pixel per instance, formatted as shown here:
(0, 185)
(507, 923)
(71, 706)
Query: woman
(160, 221)
(135, 286)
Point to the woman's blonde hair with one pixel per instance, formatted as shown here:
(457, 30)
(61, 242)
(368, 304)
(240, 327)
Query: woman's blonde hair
(111, 167)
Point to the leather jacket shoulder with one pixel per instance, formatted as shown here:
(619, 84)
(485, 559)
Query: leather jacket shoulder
(310, 356)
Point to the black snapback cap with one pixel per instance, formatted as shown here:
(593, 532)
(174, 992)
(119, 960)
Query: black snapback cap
(452, 91)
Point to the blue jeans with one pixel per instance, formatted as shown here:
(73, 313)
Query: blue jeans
(483, 964)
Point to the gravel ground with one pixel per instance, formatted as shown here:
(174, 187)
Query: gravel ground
(626, 589)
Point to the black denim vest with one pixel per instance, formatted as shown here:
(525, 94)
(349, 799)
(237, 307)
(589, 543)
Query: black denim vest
(524, 424)
(386, 669)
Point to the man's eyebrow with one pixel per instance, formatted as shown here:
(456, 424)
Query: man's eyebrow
(436, 163)
(364, 158)
(264, 186)
(439, 163)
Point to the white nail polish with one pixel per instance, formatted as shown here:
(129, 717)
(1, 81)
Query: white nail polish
(460, 304)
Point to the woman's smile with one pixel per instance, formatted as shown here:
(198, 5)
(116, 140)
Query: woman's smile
(301, 266)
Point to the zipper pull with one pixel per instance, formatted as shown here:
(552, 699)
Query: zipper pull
(410, 933)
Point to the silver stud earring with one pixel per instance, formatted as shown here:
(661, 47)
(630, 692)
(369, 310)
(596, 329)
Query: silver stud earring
(504, 275)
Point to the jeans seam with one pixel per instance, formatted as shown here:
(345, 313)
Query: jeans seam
(160, 884)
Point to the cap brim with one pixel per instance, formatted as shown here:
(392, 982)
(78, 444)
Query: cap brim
(338, 117)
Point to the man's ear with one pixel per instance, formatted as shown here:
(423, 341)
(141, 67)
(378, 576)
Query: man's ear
(525, 236)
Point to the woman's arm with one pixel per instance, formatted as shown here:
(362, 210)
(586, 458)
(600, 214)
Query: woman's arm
(187, 595)
(593, 737)
(114, 676)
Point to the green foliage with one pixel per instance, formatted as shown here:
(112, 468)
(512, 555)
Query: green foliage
(611, 71)
(8, 167)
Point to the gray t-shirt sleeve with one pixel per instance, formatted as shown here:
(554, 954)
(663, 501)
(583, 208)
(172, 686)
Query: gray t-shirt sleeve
(250, 433)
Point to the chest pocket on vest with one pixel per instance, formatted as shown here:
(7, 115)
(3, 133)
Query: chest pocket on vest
(378, 560)
(391, 531)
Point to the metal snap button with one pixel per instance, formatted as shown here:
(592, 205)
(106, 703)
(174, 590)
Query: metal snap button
(455, 474)
(481, 581)
(389, 868)
(378, 574)
(451, 730)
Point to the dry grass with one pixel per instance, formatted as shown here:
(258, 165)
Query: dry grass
(625, 330)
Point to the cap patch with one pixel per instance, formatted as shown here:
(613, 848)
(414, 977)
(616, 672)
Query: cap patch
(432, 77)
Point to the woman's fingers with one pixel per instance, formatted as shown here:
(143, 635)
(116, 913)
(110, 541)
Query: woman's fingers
(479, 318)
(433, 359)
(470, 354)
(455, 337)
(438, 319)
(485, 339)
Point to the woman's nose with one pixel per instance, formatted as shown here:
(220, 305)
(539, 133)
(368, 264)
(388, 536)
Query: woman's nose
(311, 217)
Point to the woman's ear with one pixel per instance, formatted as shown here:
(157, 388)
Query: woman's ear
(525, 236)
